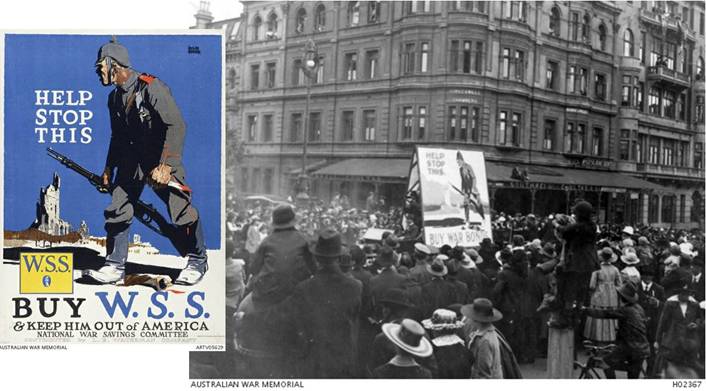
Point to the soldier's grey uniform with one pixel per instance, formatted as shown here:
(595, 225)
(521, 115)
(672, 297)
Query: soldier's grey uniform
(147, 129)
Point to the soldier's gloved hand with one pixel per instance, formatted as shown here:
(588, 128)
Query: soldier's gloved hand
(160, 175)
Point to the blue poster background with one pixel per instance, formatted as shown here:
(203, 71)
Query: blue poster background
(66, 62)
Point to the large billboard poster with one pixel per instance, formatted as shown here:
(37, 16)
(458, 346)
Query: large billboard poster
(112, 193)
(454, 196)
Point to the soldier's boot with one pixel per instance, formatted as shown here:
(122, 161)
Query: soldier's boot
(113, 270)
(197, 264)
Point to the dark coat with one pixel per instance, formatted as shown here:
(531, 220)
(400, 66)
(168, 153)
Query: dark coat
(475, 280)
(437, 293)
(581, 254)
(364, 277)
(676, 280)
(510, 296)
(461, 290)
(387, 279)
(286, 252)
(632, 328)
(652, 311)
(325, 310)
(676, 341)
(698, 288)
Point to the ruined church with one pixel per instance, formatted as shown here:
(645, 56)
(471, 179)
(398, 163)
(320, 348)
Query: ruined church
(48, 219)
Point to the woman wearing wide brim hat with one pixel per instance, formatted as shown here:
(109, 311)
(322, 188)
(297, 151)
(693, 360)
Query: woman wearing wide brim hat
(410, 342)
(607, 254)
(451, 355)
(482, 311)
(438, 266)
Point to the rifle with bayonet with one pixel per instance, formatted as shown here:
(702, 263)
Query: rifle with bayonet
(143, 212)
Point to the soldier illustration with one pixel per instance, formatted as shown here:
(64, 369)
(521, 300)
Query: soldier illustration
(469, 190)
(145, 148)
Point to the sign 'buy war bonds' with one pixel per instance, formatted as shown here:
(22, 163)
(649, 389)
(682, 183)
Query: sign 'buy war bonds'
(105, 238)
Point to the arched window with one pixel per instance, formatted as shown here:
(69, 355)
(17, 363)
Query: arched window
(586, 30)
(272, 25)
(320, 18)
(231, 78)
(628, 44)
(301, 19)
(353, 13)
(700, 69)
(602, 37)
(256, 25)
(555, 21)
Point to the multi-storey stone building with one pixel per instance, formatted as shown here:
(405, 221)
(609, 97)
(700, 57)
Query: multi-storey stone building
(602, 100)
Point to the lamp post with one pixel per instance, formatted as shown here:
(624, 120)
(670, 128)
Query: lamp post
(309, 68)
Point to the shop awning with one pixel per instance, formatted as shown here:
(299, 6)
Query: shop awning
(309, 167)
(605, 180)
(373, 169)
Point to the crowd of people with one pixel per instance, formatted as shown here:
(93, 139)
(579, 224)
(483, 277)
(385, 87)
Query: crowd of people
(308, 299)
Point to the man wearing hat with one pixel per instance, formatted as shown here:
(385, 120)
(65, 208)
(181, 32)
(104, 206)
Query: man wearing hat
(146, 143)
(410, 342)
(325, 310)
(285, 251)
(651, 300)
(633, 346)
(418, 274)
(680, 331)
(469, 273)
(697, 281)
(388, 278)
(484, 341)
(437, 292)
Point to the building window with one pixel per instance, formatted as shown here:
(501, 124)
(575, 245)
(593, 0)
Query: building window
(552, 72)
(699, 155)
(602, 37)
(506, 63)
(408, 58)
(571, 79)
(667, 152)
(478, 60)
(549, 129)
(371, 63)
(424, 60)
(668, 54)
(581, 139)
(638, 94)
(653, 150)
(555, 21)
(267, 128)
(519, 65)
(628, 44)
(656, 53)
(586, 29)
(475, 114)
(516, 10)
(643, 43)
(653, 101)
(639, 146)
(701, 24)
(466, 56)
(320, 18)
(575, 26)
(348, 125)
(583, 77)
(296, 129)
(653, 208)
(369, 120)
(502, 128)
(597, 144)
(569, 137)
(452, 123)
(599, 86)
(351, 63)
(314, 126)
(268, 180)
(700, 109)
(668, 208)
(319, 71)
(516, 129)
(626, 96)
(682, 208)
(252, 127)
(463, 123)
(479, 6)
(682, 148)
(407, 122)
(373, 11)
(421, 122)
(297, 72)
(270, 71)
(624, 144)
(256, 26)
(254, 76)
(301, 20)
(700, 69)
(453, 56)
(353, 13)
(271, 26)
(668, 104)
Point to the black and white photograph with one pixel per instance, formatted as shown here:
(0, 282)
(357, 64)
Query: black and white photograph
(463, 190)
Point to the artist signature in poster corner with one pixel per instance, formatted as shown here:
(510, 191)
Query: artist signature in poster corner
(115, 305)
(194, 50)
(686, 384)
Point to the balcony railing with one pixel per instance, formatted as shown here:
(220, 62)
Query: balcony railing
(669, 76)
(650, 168)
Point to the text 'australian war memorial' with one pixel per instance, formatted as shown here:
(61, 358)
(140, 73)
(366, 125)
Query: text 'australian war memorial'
(463, 189)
